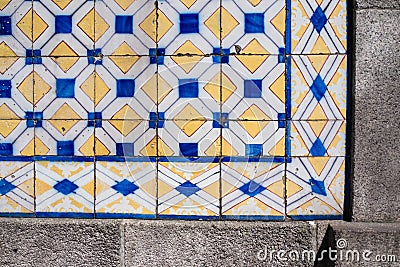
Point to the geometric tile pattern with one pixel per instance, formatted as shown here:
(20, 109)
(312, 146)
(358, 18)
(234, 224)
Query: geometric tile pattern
(208, 109)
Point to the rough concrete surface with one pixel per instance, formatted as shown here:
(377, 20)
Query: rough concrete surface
(59, 242)
(384, 4)
(194, 243)
(381, 239)
(377, 117)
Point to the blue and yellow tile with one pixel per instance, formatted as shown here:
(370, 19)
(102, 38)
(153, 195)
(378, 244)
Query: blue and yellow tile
(315, 188)
(64, 189)
(125, 138)
(318, 138)
(125, 189)
(125, 27)
(187, 95)
(62, 88)
(188, 189)
(253, 87)
(16, 137)
(253, 190)
(319, 27)
(189, 138)
(253, 27)
(16, 30)
(189, 26)
(253, 139)
(319, 87)
(16, 188)
(16, 88)
(125, 88)
(63, 28)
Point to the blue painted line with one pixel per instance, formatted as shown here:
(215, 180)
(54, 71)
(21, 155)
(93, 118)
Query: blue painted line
(64, 215)
(17, 214)
(255, 159)
(288, 32)
(64, 158)
(316, 217)
(288, 105)
(124, 216)
(17, 158)
(189, 217)
(253, 217)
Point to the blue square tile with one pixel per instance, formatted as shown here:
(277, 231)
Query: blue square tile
(5, 89)
(6, 149)
(156, 121)
(5, 25)
(254, 150)
(189, 23)
(252, 88)
(124, 24)
(125, 88)
(221, 56)
(318, 149)
(254, 23)
(188, 88)
(188, 149)
(33, 56)
(281, 120)
(65, 148)
(157, 56)
(125, 149)
(63, 24)
(220, 120)
(92, 54)
(65, 88)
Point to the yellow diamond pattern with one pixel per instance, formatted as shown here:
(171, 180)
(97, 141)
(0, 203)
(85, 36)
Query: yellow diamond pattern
(254, 113)
(93, 25)
(32, 31)
(7, 126)
(126, 113)
(4, 3)
(7, 113)
(254, 2)
(40, 88)
(64, 56)
(65, 112)
(26, 87)
(148, 25)
(62, 3)
(125, 126)
(124, 4)
(188, 3)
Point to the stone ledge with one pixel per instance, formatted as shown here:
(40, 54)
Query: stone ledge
(70, 242)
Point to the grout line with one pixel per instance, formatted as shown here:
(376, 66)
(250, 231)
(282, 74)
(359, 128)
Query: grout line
(157, 112)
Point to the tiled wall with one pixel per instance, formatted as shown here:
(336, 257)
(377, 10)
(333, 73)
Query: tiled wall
(232, 109)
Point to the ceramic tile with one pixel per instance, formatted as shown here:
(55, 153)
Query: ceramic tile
(188, 189)
(185, 94)
(125, 138)
(173, 109)
(16, 84)
(253, 87)
(254, 26)
(64, 138)
(63, 88)
(64, 189)
(125, 88)
(16, 188)
(188, 27)
(319, 87)
(315, 187)
(16, 137)
(318, 27)
(63, 28)
(189, 138)
(125, 189)
(318, 138)
(125, 27)
(253, 139)
(16, 30)
(253, 190)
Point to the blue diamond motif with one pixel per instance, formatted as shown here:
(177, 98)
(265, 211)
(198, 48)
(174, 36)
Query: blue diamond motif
(251, 188)
(318, 149)
(318, 187)
(318, 88)
(187, 188)
(5, 187)
(319, 19)
(65, 187)
(125, 187)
